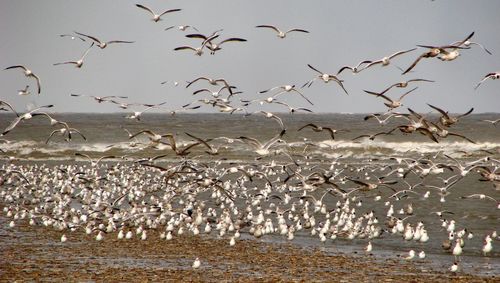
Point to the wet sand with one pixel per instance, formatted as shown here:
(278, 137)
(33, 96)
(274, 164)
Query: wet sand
(36, 254)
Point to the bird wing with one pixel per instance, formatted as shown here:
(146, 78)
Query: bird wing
(172, 142)
(482, 47)
(415, 62)
(278, 119)
(296, 29)
(87, 51)
(83, 155)
(224, 191)
(373, 63)
(10, 106)
(419, 80)
(43, 106)
(461, 136)
(89, 36)
(406, 93)
(309, 125)
(225, 83)
(78, 132)
(439, 110)
(119, 41)
(149, 132)
(304, 109)
(314, 69)
(201, 90)
(466, 113)
(170, 11)
(463, 41)
(209, 39)
(364, 62)
(331, 131)
(401, 52)
(442, 48)
(145, 8)
(361, 183)
(197, 35)
(371, 116)
(389, 88)
(267, 90)
(418, 116)
(16, 66)
(63, 63)
(274, 139)
(38, 83)
(104, 157)
(12, 125)
(361, 136)
(341, 85)
(253, 142)
(235, 39)
(309, 83)
(72, 36)
(485, 78)
(343, 68)
(156, 166)
(268, 26)
(50, 136)
(200, 140)
(195, 80)
(184, 48)
(378, 95)
(384, 133)
(428, 133)
(303, 96)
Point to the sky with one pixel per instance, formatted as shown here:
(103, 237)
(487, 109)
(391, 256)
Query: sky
(341, 33)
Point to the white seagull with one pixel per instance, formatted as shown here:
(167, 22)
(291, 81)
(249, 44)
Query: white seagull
(493, 76)
(103, 44)
(282, 34)
(78, 63)
(28, 73)
(156, 17)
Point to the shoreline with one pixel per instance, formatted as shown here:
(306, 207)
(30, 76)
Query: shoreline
(36, 253)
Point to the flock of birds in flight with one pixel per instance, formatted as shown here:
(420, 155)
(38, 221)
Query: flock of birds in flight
(104, 198)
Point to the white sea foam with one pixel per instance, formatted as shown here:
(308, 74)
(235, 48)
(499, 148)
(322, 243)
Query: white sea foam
(326, 148)
(404, 147)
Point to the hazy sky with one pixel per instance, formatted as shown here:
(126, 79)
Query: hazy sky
(341, 33)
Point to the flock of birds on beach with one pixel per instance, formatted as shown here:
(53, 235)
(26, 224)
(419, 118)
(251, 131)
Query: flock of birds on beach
(284, 192)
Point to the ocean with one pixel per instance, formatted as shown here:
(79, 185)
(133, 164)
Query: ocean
(105, 134)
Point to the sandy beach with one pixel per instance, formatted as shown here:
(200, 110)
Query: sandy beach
(36, 254)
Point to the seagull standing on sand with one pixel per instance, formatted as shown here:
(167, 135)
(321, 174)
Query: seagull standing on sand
(196, 263)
